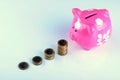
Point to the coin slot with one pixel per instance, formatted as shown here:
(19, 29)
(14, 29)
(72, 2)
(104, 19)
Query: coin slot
(90, 16)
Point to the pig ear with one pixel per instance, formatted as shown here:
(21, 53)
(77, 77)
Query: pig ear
(105, 11)
(76, 11)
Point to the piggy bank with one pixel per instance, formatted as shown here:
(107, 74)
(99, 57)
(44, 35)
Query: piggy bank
(90, 28)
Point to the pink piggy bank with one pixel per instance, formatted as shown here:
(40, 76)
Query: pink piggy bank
(90, 28)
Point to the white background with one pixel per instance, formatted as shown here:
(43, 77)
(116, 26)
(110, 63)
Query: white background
(27, 27)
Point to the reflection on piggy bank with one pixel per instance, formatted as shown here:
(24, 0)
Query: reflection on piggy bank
(90, 28)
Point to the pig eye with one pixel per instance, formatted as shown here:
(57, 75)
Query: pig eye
(75, 30)
(90, 16)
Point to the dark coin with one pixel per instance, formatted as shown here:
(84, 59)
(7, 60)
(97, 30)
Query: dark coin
(23, 65)
(37, 60)
(49, 53)
(62, 47)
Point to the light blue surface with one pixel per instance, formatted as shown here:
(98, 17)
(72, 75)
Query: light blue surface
(27, 27)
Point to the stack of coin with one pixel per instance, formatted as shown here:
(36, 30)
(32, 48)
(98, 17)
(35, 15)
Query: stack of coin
(62, 47)
(49, 54)
(37, 60)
